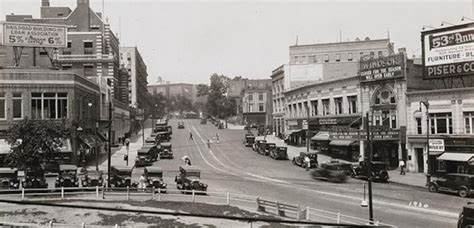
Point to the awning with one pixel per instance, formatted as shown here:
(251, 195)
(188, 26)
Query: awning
(321, 136)
(342, 142)
(4, 146)
(66, 148)
(90, 141)
(289, 132)
(461, 157)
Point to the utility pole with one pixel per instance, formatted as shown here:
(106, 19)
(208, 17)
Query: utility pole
(428, 167)
(307, 128)
(369, 167)
(109, 153)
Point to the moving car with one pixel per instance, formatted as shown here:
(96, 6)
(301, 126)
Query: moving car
(379, 171)
(154, 177)
(34, 178)
(300, 160)
(332, 172)
(9, 178)
(466, 217)
(189, 179)
(92, 178)
(121, 176)
(268, 148)
(280, 152)
(67, 176)
(346, 166)
(166, 150)
(143, 158)
(203, 121)
(249, 139)
(257, 146)
(180, 125)
(459, 183)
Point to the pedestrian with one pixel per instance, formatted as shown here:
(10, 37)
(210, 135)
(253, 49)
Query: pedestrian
(307, 162)
(142, 181)
(127, 143)
(191, 136)
(187, 161)
(208, 143)
(217, 137)
(402, 167)
(123, 141)
(120, 139)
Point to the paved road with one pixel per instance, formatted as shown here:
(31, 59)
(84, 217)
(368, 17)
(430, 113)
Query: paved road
(231, 167)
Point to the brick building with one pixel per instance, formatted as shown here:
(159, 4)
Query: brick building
(256, 96)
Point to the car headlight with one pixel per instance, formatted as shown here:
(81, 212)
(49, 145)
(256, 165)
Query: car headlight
(204, 185)
(164, 185)
(123, 181)
(15, 185)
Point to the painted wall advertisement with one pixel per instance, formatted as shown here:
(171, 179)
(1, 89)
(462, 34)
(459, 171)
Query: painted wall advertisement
(437, 145)
(33, 35)
(382, 68)
(448, 51)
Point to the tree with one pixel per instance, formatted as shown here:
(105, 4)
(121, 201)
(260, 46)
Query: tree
(217, 103)
(34, 142)
(202, 90)
(160, 103)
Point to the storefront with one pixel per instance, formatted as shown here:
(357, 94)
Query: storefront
(295, 135)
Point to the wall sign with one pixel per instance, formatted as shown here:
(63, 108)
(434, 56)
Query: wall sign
(437, 145)
(33, 35)
(382, 68)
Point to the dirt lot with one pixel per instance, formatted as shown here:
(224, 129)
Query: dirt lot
(43, 214)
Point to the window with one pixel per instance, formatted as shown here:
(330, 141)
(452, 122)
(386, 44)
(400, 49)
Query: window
(296, 59)
(352, 100)
(2, 106)
(418, 126)
(17, 106)
(260, 96)
(338, 105)
(377, 120)
(393, 119)
(372, 54)
(250, 97)
(312, 59)
(350, 57)
(43, 52)
(380, 54)
(384, 96)
(314, 110)
(441, 123)
(88, 70)
(67, 66)
(48, 105)
(88, 48)
(338, 57)
(361, 54)
(88, 44)
(260, 107)
(326, 58)
(469, 122)
(325, 107)
(69, 44)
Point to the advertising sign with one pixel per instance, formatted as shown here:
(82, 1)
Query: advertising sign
(33, 35)
(382, 68)
(437, 145)
(448, 51)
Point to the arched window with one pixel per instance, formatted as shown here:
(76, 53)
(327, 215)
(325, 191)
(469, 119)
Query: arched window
(384, 96)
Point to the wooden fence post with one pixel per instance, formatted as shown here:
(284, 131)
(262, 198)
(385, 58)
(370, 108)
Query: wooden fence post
(153, 193)
(22, 193)
(228, 198)
(338, 216)
(307, 213)
(128, 193)
(97, 191)
(103, 192)
(193, 195)
(159, 194)
(62, 192)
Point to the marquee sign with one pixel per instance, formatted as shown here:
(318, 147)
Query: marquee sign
(33, 35)
(383, 68)
(448, 51)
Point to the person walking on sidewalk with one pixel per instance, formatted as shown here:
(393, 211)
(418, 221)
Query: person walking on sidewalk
(401, 164)
(191, 136)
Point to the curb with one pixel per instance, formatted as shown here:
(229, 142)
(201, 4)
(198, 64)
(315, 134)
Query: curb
(407, 185)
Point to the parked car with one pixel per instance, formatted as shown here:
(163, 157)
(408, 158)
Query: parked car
(143, 158)
(150, 140)
(166, 150)
(300, 160)
(379, 171)
(249, 139)
(153, 151)
(121, 176)
(180, 125)
(268, 147)
(163, 136)
(257, 146)
(67, 176)
(189, 179)
(9, 178)
(460, 183)
(34, 178)
(331, 172)
(203, 121)
(466, 217)
(92, 178)
(280, 152)
(154, 177)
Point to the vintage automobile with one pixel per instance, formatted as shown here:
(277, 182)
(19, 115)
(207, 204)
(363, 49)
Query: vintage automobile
(166, 150)
(332, 172)
(121, 176)
(189, 179)
(300, 160)
(203, 121)
(267, 148)
(163, 136)
(153, 150)
(67, 176)
(279, 153)
(459, 183)
(180, 125)
(143, 158)
(34, 178)
(346, 166)
(466, 217)
(257, 146)
(92, 178)
(154, 178)
(150, 140)
(9, 178)
(379, 171)
(249, 139)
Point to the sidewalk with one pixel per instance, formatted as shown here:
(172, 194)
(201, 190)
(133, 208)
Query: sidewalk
(410, 179)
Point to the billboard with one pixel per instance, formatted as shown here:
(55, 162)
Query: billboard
(382, 68)
(33, 35)
(448, 51)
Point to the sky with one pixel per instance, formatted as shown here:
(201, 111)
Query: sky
(187, 41)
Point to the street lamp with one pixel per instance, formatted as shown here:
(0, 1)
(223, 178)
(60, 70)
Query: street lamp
(428, 173)
(96, 149)
(78, 130)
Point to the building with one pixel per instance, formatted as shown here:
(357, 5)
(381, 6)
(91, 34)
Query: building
(92, 52)
(279, 104)
(58, 96)
(132, 62)
(256, 97)
(174, 89)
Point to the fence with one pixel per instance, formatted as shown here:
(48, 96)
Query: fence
(277, 208)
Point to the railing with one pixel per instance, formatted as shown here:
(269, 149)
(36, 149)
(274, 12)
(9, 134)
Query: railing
(280, 209)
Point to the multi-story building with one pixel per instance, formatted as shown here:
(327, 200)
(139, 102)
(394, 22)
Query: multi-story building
(175, 89)
(279, 104)
(256, 98)
(132, 61)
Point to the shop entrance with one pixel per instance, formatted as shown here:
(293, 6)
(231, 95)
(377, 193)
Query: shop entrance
(419, 159)
(387, 152)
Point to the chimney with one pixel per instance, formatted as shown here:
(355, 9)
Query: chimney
(44, 3)
(79, 2)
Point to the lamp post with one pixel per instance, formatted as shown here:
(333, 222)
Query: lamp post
(96, 149)
(428, 167)
(78, 131)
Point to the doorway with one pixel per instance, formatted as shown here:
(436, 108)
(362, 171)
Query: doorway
(419, 159)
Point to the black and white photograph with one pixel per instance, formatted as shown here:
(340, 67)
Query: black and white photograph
(237, 113)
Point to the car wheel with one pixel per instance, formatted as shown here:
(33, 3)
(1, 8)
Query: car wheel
(462, 192)
(432, 188)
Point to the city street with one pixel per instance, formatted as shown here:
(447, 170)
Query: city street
(231, 167)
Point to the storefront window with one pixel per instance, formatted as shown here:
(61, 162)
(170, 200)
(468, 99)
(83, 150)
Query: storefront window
(48, 105)
(441, 123)
(441, 166)
(469, 122)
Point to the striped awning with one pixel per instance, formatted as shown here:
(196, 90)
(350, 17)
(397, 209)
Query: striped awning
(460, 157)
